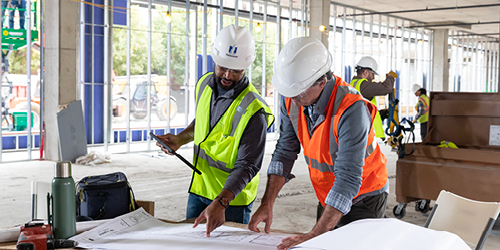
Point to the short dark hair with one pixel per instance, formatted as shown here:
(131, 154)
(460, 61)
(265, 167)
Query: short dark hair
(423, 91)
(360, 70)
(328, 76)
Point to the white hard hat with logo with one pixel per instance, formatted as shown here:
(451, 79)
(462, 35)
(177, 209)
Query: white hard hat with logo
(234, 47)
(299, 64)
(368, 62)
(415, 88)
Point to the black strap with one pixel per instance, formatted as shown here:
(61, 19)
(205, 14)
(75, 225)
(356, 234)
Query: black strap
(401, 150)
(103, 196)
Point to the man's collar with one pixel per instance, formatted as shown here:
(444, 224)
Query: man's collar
(324, 97)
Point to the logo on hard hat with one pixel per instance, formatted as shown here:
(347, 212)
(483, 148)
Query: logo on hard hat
(232, 51)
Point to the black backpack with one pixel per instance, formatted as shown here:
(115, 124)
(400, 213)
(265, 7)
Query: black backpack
(104, 196)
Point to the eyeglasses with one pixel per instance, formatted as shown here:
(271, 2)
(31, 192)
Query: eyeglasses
(301, 95)
(234, 71)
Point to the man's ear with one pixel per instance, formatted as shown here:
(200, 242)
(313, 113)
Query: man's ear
(365, 73)
(323, 83)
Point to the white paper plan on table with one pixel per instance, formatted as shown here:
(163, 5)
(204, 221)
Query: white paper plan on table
(140, 230)
(384, 234)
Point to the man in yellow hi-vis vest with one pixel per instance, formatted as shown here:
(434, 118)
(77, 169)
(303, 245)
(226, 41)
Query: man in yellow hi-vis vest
(422, 108)
(229, 134)
(366, 69)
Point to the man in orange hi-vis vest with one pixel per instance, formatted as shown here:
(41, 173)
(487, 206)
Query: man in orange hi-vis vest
(334, 125)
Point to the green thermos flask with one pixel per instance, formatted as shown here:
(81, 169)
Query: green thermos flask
(63, 201)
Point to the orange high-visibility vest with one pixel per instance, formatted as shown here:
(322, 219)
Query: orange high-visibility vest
(318, 149)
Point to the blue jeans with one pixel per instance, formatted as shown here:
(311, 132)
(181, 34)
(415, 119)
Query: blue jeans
(196, 205)
(12, 13)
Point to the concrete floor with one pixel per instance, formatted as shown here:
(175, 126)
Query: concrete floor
(165, 180)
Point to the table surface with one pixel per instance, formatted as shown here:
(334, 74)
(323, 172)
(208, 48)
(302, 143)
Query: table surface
(372, 234)
(12, 245)
(385, 234)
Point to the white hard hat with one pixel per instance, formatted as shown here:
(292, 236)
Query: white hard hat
(234, 47)
(368, 62)
(415, 88)
(299, 64)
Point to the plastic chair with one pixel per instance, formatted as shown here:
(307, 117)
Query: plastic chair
(469, 219)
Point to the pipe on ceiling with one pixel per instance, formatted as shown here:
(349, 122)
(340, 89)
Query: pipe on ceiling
(450, 24)
(426, 9)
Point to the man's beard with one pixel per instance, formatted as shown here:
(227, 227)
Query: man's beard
(224, 83)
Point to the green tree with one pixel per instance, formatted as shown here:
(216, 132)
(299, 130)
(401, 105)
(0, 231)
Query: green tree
(178, 41)
(138, 58)
(270, 54)
(17, 61)
(139, 39)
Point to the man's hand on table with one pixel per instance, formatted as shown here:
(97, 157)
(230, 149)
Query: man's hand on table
(326, 222)
(291, 241)
(263, 214)
(214, 214)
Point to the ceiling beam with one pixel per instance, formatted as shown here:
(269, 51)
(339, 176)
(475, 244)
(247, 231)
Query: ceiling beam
(451, 24)
(479, 34)
(426, 9)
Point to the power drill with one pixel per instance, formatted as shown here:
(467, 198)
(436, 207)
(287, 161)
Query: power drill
(38, 236)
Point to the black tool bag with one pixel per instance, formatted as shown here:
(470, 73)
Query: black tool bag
(104, 196)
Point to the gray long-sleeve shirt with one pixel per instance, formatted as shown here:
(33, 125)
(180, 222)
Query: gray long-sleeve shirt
(353, 130)
(370, 89)
(253, 140)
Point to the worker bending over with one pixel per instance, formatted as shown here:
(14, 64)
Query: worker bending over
(333, 124)
(229, 133)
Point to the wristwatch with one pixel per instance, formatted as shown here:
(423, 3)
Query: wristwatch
(224, 202)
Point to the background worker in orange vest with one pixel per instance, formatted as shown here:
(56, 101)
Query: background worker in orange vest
(366, 69)
(332, 122)
(422, 108)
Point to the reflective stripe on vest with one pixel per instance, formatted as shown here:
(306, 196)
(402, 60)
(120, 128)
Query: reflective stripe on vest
(216, 149)
(242, 108)
(211, 162)
(320, 159)
(425, 100)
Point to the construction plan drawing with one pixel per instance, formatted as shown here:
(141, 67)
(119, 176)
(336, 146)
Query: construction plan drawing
(140, 230)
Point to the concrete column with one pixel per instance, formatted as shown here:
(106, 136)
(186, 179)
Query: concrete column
(440, 64)
(319, 14)
(61, 33)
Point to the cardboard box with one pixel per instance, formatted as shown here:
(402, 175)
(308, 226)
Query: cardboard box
(472, 122)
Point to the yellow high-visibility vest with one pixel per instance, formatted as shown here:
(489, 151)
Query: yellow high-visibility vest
(377, 123)
(216, 150)
(425, 100)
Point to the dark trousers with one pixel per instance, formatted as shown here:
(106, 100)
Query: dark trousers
(423, 130)
(4, 5)
(21, 6)
(369, 207)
